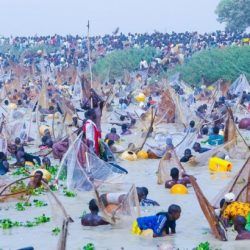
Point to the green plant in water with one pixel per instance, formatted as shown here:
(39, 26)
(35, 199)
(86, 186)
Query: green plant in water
(42, 219)
(21, 171)
(18, 187)
(69, 193)
(52, 170)
(56, 231)
(203, 246)
(7, 223)
(53, 188)
(39, 203)
(20, 206)
(89, 246)
(37, 191)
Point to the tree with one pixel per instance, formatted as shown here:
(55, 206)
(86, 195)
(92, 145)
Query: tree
(235, 13)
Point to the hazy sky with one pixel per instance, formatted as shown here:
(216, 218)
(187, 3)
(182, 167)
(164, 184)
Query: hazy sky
(29, 17)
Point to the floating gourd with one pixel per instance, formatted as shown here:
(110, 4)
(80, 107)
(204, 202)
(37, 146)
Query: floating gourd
(129, 156)
(43, 128)
(179, 189)
(142, 155)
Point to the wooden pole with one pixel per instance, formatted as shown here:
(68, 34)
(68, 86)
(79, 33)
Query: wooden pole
(90, 66)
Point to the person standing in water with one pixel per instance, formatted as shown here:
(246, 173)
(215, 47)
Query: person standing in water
(92, 134)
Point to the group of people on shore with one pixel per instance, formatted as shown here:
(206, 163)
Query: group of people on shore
(61, 52)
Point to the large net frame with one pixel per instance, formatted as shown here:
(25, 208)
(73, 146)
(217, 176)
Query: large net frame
(183, 113)
(124, 206)
(84, 170)
(239, 85)
(167, 162)
(209, 212)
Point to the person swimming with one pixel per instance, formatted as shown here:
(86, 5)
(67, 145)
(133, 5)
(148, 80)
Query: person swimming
(93, 219)
(112, 135)
(159, 152)
(36, 181)
(4, 165)
(174, 173)
(187, 155)
(191, 128)
(125, 130)
(118, 198)
(198, 149)
(161, 224)
(215, 138)
(232, 208)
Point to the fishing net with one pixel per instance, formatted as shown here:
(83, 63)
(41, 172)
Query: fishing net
(15, 190)
(187, 142)
(236, 145)
(43, 99)
(82, 169)
(240, 186)
(208, 211)
(183, 113)
(186, 88)
(166, 108)
(77, 93)
(239, 85)
(118, 202)
(167, 162)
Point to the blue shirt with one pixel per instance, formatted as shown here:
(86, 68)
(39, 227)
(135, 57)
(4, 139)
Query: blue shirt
(158, 223)
(215, 139)
(203, 150)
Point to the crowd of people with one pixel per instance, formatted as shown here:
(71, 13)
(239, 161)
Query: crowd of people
(61, 52)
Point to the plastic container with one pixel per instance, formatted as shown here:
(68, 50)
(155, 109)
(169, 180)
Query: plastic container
(218, 165)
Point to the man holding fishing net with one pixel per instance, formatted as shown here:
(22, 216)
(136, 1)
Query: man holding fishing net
(91, 132)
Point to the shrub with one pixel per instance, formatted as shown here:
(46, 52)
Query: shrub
(227, 64)
(114, 63)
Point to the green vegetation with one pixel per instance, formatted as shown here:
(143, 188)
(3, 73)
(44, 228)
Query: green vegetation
(68, 193)
(7, 223)
(56, 231)
(53, 170)
(37, 191)
(89, 246)
(235, 14)
(20, 206)
(21, 171)
(114, 64)
(214, 64)
(203, 246)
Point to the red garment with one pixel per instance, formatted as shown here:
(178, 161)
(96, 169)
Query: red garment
(92, 134)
